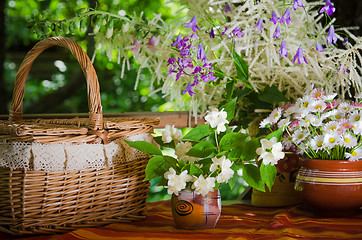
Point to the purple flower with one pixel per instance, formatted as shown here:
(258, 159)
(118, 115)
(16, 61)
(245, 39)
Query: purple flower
(223, 33)
(319, 47)
(212, 34)
(194, 36)
(196, 82)
(331, 36)
(274, 18)
(286, 17)
(154, 41)
(283, 49)
(259, 25)
(201, 53)
(328, 8)
(188, 90)
(185, 62)
(178, 75)
(196, 70)
(297, 3)
(276, 33)
(178, 40)
(136, 46)
(227, 8)
(208, 77)
(192, 24)
(171, 61)
(170, 71)
(237, 31)
(299, 56)
(345, 41)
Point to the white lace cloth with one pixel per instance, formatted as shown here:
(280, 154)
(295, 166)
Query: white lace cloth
(59, 157)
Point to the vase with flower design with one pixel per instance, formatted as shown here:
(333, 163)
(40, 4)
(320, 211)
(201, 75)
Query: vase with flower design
(191, 210)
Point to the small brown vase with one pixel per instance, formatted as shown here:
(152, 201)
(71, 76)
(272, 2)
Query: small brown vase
(282, 193)
(194, 211)
(331, 188)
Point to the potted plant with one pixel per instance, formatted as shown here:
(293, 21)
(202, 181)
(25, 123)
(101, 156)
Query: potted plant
(206, 157)
(327, 133)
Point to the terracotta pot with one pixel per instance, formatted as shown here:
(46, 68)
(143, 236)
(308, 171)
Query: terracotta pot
(331, 188)
(282, 193)
(193, 211)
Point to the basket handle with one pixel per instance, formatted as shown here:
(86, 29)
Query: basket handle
(93, 90)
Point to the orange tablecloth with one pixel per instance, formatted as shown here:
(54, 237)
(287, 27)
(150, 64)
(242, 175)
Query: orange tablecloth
(238, 221)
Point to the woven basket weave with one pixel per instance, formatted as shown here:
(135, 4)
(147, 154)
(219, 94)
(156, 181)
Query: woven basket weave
(48, 202)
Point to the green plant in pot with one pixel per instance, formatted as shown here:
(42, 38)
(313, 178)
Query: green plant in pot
(206, 157)
(326, 131)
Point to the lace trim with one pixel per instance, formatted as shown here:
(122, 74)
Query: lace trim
(60, 157)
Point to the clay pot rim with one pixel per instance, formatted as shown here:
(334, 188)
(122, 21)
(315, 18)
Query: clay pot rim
(342, 165)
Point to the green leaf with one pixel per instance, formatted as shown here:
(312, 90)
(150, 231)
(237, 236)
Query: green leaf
(248, 149)
(202, 149)
(171, 161)
(232, 181)
(145, 147)
(278, 134)
(194, 170)
(232, 140)
(271, 94)
(242, 68)
(198, 133)
(251, 175)
(156, 167)
(268, 174)
(158, 140)
(230, 109)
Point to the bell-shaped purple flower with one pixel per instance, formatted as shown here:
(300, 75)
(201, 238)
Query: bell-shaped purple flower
(154, 41)
(331, 37)
(192, 24)
(223, 33)
(274, 18)
(212, 34)
(201, 53)
(276, 33)
(283, 49)
(259, 25)
(285, 17)
(319, 47)
(328, 8)
(227, 8)
(345, 41)
(178, 40)
(237, 32)
(299, 56)
(297, 3)
(188, 90)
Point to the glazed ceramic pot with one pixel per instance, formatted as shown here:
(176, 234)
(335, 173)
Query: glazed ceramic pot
(282, 193)
(194, 211)
(331, 188)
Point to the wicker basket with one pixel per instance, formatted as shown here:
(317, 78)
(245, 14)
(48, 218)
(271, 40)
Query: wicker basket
(47, 202)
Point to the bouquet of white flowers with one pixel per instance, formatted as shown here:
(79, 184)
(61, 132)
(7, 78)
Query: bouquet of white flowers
(320, 126)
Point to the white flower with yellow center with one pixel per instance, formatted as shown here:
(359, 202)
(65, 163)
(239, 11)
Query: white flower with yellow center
(284, 123)
(217, 119)
(332, 126)
(345, 107)
(298, 136)
(316, 143)
(331, 139)
(339, 115)
(355, 117)
(275, 115)
(348, 140)
(354, 155)
(318, 106)
(308, 120)
(203, 186)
